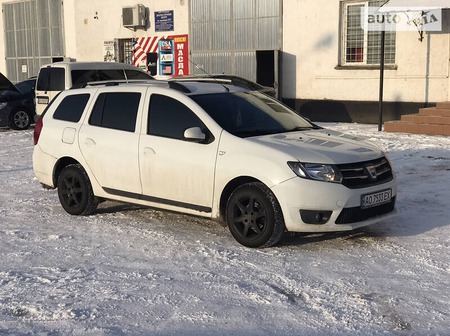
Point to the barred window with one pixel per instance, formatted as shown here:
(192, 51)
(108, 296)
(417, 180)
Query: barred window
(360, 47)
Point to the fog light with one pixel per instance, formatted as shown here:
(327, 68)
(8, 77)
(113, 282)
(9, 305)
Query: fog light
(315, 217)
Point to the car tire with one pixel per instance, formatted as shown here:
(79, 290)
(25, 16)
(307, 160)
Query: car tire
(254, 216)
(75, 191)
(20, 119)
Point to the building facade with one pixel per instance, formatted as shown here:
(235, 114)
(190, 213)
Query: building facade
(313, 51)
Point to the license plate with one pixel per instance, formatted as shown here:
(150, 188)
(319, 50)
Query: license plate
(42, 100)
(371, 200)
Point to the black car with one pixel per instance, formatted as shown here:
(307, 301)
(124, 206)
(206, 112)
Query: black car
(236, 80)
(17, 108)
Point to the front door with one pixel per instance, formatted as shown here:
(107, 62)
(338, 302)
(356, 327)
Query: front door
(175, 171)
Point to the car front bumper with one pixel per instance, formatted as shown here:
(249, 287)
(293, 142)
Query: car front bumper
(341, 205)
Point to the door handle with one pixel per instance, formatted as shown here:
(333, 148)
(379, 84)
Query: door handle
(89, 142)
(149, 151)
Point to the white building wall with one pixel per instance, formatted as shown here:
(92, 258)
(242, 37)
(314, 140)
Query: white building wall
(311, 53)
(85, 33)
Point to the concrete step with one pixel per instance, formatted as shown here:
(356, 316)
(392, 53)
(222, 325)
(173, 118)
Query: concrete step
(426, 119)
(431, 121)
(443, 105)
(435, 111)
(416, 128)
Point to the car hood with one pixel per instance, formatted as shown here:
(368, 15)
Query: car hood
(5, 84)
(321, 146)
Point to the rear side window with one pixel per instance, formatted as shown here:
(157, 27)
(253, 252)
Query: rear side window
(116, 110)
(51, 79)
(81, 77)
(71, 108)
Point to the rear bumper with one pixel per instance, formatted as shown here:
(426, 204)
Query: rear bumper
(43, 165)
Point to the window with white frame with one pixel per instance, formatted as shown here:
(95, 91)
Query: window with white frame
(361, 47)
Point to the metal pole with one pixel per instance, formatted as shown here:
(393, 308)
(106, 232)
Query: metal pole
(380, 108)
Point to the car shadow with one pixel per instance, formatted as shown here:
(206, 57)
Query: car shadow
(360, 234)
(110, 207)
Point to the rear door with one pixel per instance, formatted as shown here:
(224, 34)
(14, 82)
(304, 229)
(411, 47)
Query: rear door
(51, 81)
(109, 141)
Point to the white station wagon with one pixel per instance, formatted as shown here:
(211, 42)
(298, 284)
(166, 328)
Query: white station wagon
(209, 149)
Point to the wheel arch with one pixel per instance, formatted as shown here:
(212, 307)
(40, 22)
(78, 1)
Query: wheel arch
(229, 188)
(60, 165)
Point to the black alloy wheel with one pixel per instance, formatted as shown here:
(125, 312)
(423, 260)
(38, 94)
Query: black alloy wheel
(75, 191)
(254, 216)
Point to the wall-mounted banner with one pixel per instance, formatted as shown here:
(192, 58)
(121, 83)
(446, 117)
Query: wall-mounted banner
(172, 50)
(401, 19)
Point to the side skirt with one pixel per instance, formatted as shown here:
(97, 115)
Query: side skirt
(157, 200)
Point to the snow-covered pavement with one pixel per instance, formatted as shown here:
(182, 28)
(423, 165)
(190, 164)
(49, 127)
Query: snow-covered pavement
(130, 270)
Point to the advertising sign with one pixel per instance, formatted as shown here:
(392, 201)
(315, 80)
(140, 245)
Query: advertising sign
(165, 49)
(401, 19)
(172, 53)
(108, 51)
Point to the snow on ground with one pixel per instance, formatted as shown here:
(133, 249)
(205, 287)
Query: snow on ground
(130, 270)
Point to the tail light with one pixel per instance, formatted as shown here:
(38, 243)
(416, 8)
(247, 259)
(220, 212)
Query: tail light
(37, 130)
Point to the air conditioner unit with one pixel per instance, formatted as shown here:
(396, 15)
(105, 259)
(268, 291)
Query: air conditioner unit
(135, 16)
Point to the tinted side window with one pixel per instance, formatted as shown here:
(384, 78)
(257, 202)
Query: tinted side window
(71, 108)
(135, 74)
(170, 118)
(81, 77)
(51, 79)
(111, 74)
(117, 110)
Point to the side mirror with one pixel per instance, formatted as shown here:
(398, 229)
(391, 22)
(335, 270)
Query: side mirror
(194, 134)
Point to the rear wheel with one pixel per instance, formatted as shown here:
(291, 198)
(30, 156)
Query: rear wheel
(75, 191)
(20, 120)
(254, 216)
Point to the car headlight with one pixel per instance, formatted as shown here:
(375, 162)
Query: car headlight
(3, 105)
(316, 171)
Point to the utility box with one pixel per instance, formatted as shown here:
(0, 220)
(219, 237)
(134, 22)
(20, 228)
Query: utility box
(134, 17)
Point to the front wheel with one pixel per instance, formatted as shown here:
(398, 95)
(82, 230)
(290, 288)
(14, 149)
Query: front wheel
(254, 216)
(75, 191)
(20, 120)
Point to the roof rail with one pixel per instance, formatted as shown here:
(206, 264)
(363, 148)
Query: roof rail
(201, 79)
(113, 82)
(178, 86)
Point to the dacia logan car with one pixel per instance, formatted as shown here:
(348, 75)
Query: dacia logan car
(209, 149)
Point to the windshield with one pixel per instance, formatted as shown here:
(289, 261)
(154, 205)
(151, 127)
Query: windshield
(247, 114)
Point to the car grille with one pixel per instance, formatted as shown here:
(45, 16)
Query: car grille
(366, 174)
(356, 214)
